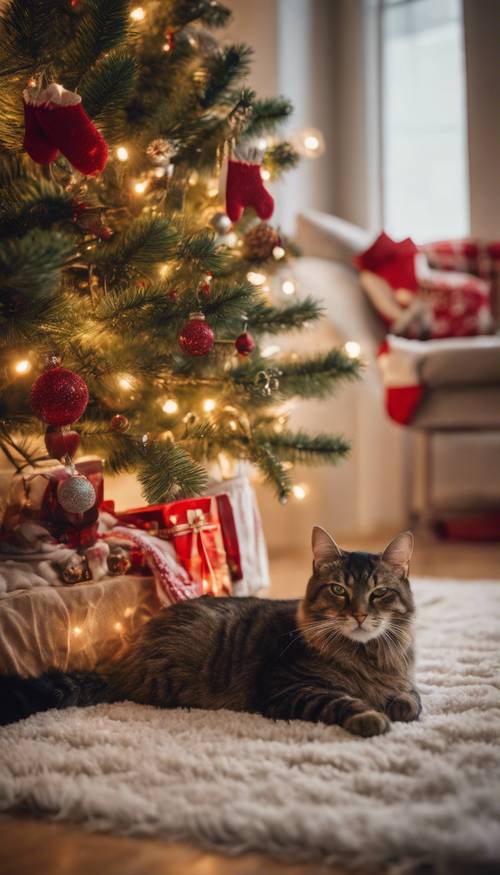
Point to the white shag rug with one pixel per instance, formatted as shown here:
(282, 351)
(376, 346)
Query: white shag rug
(427, 794)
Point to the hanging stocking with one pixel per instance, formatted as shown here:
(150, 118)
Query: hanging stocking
(398, 362)
(244, 188)
(35, 142)
(60, 116)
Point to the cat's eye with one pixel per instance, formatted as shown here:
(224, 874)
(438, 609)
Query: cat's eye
(337, 589)
(380, 591)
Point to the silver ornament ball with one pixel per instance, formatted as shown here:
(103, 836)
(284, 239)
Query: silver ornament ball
(221, 223)
(76, 494)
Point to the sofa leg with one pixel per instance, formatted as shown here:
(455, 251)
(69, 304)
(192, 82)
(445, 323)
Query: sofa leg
(426, 514)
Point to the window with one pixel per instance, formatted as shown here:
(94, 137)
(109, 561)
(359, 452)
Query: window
(424, 128)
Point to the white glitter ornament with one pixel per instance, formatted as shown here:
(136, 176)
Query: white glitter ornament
(76, 494)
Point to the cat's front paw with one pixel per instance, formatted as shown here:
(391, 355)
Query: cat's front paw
(367, 723)
(404, 708)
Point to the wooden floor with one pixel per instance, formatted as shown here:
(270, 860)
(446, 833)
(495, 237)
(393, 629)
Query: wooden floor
(31, 847)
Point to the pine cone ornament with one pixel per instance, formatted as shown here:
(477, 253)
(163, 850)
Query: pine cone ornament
(259, 242)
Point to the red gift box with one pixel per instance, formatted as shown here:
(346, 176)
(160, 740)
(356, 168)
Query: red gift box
(204, 535)
(33, 497)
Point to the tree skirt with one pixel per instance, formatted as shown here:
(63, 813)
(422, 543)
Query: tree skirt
(426, 793)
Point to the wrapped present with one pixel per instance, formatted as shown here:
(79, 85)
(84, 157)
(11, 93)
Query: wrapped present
(33, 497)
(203, 532)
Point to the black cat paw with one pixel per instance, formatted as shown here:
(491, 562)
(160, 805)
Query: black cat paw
(367, 723)
(403, 708)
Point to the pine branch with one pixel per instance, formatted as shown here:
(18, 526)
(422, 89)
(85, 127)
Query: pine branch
(301, 448)
(103, 26)
(223, 71)
(137, 250)
(305, 377)
(266, 115)
(33, 203)
(105, 90)
(210, 12)
(168, 472)
(264, 318)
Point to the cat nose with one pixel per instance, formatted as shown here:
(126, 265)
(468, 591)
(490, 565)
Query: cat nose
(360, 618)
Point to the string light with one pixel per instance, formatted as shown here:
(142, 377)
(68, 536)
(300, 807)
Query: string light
(213, 188)
(22, 366)
(300, 491)
(128, 612)
(122, 153)
(118, 627)
(278, 253)
(265, 174)
(140, 187)
(209, 404)
(256, 278)
(77, 631)
(170, 406)
(352, 349)
(268, 351)
(309, 142)
(125, 382)
(138, 14)
(288, 287)
(233, 425)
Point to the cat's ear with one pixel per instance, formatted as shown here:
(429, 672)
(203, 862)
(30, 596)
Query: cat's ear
(324, 547)
(399, 551)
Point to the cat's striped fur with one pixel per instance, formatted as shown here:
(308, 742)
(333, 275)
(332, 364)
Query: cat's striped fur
(342, 655)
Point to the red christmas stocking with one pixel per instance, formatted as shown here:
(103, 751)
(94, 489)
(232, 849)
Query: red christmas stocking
(398, 361)
(35, 142)
(64, 122)
(244, 188)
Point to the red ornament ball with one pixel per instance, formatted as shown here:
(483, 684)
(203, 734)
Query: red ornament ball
(119, 422)
(105, 232)
(196, 338)
(244, 343)
(59, 396)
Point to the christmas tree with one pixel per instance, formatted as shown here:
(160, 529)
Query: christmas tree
(118, 259)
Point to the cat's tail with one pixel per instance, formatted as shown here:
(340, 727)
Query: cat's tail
(20, 697)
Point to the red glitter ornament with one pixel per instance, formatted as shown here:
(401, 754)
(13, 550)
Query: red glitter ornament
(59, 396)
(196, 338)
(119, 422)
(244, 343)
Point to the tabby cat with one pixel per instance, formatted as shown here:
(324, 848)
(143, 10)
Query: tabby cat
(341, 655)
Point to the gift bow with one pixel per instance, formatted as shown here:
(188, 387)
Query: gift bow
(197, 525)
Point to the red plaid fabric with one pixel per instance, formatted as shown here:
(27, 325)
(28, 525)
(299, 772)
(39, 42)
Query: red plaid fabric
(479, 257)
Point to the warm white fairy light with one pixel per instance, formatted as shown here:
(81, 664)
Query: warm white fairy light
(22, 366)
(138, 14)
(231, 239)
(309, 142)
(128, 612)
(352, 349)
(118, 627)
(209, 405)
(233, 425)
(125, 382)
(262, 143)
(140, 187)
(213, 188)
(77, 631)
(122, 153)
(288, 287)
(265, 174)
(270, 350)
(256, 278)
(170, 406)
(278, 253)
(300, 491)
